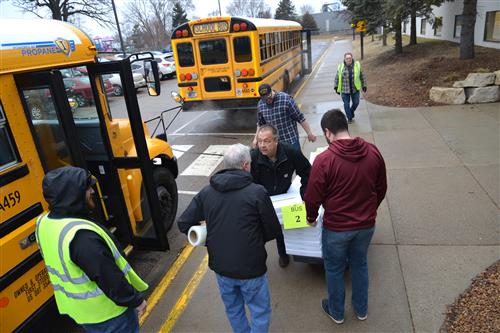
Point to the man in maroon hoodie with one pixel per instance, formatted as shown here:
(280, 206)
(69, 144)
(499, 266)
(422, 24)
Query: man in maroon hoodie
(349, 180)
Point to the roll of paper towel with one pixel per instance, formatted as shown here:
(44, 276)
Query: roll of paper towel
(197, 235)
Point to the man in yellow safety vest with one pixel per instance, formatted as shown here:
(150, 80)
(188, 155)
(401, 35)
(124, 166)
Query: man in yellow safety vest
(93, 282)
(348, 82)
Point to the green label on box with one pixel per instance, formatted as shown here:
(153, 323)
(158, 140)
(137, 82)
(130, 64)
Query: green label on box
(294, 216)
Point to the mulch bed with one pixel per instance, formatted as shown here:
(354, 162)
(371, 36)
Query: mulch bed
(405, 80)
(477, 309)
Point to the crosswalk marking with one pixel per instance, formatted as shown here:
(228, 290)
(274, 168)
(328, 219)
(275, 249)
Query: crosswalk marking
(179, 150)
(207, 162)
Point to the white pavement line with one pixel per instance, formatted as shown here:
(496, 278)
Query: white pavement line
(188, 192)
(212, 134)
(206, 163)
(179, 150)
(189, 122)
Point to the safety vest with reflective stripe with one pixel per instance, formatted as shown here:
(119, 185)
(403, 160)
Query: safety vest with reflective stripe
(76, 295)
(357, 78)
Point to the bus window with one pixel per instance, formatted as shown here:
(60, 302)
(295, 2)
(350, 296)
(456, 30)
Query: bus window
(185, 54)
(7, 153)
(242, 49)
(213, 52)
(47, 127)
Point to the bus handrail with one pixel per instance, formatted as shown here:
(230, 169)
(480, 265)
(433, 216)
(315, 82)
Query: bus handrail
(162, 121)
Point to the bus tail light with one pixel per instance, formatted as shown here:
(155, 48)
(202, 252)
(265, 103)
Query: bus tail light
(237, 72)
(243, 26)
(245, 85)
(236, 27)
(189, 76)
(244, 72)
(190, 89)
(185, 33)
(178, 33)
(182, 77)
(251, 72)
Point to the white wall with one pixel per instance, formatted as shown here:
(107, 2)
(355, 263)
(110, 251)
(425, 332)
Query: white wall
(448, 10)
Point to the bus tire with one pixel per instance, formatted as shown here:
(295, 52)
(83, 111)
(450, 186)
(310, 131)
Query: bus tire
(166, 188)
(286, 82)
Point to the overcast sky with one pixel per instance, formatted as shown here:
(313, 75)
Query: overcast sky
(202, 8)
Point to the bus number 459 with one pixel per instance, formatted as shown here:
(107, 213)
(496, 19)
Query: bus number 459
(10, 200)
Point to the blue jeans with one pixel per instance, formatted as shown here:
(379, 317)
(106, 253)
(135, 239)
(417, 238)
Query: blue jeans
(296, 145)
(127, 322)
(235, 293)
(337, 247)
(349, 109)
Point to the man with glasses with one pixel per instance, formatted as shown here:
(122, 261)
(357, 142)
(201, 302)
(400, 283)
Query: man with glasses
(280, 110)
(273, 165)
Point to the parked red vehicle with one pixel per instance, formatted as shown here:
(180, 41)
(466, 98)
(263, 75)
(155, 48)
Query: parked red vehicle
(80, 90)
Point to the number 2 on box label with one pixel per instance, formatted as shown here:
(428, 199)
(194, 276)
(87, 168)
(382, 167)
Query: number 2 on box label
(294, 216)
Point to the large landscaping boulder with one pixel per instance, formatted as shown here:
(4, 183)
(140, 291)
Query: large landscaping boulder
(483, 94)
(497, 80)
(447, 95)
(476, 80)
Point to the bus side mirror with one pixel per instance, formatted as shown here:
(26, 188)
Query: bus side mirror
(152, 77)
(177, 97)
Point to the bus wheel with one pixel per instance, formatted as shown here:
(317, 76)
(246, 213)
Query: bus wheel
(166, 188)
(286, 82)
(117, 90)
(80, 100)
(36, 112)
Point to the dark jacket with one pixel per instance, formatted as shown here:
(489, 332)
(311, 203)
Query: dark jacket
(349, 180)
(276, 177)
(64, 190)
(240, 219)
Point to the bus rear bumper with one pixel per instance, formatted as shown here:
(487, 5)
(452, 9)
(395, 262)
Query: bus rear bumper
(221, 104)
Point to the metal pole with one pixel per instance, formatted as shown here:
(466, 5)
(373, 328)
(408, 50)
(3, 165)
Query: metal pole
(118, 26)
(361, 34)
(220, 12)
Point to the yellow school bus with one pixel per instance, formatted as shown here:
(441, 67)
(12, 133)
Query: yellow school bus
(45, 66)
(222, 61)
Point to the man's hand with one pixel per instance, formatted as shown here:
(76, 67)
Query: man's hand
(311, 224)
(141, 308)
(364, 89)
(254, 143)
(311, 137)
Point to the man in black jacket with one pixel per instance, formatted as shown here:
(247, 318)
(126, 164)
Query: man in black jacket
(273, 165)
(240, 219)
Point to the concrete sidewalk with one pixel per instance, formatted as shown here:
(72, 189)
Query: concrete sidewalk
(436, 230)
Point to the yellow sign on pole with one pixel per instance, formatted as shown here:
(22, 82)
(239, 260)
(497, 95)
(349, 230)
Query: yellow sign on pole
(361, 26)
(294, 216)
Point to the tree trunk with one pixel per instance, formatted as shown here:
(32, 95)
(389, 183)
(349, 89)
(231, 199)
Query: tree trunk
(467, 32)
(56, 11)
(384, 36)
(399, 38)
(413, 28)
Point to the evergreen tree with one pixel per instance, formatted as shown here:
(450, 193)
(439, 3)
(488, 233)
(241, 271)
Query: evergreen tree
(179, 16)
(308, 22)
(285, 11)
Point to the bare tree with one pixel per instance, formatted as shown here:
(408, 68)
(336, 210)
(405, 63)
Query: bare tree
(250, 8)
(63, 10)
(306, 9)
(153, 19)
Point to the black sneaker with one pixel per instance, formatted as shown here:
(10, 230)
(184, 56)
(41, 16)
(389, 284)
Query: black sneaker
(324, 305)
(284, 261)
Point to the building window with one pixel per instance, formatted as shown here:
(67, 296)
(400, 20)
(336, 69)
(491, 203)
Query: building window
(492, 27)
(437, 25)
(423, 23)
(458, 26)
